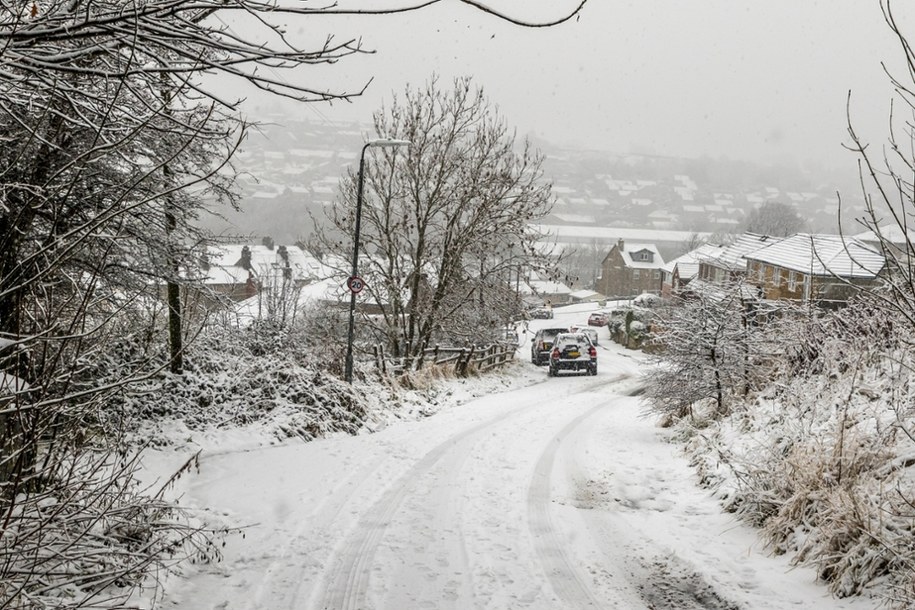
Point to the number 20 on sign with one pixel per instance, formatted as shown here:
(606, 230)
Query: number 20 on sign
(355, 284)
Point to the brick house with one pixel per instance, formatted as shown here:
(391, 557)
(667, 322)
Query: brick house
(822, 269)
(728, 266)
(629, 270)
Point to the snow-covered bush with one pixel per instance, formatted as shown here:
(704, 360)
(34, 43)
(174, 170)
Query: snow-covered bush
(90, 536)
(823, 458)
(709, 347)
(647, 300)
(236, 376)
(629, 326)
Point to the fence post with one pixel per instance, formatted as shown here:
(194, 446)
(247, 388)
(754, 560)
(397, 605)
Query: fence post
(384, 364)
(467, 360)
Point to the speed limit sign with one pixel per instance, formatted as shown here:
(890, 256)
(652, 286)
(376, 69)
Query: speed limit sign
(355, 284)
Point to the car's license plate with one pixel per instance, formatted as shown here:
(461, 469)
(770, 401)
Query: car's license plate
(574, 354)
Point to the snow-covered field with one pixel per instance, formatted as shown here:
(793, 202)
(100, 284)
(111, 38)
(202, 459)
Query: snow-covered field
(556, 493)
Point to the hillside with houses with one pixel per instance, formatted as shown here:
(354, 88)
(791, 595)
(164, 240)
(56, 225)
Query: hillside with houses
(291, 171)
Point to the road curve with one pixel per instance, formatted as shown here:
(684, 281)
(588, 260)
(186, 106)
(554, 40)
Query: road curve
(435, 518)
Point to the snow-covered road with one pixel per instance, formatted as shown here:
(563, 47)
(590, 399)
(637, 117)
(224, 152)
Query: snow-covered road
(555, 495)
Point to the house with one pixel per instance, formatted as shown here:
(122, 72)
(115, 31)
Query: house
(728, 266)
(897, 244)
(822, 269)
(546, 292)
(629, 270)
(230, 273)
(892, 239)
(676, 274)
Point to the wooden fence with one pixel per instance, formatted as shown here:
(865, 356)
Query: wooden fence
(464, 360)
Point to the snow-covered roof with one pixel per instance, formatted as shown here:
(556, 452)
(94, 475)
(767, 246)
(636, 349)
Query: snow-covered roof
(733, 255)
(821, 255)
(544, 287)
(688, 263)
(219, 275)
(224, 259)
(888, 233)
(629, 249)
(584, 294)
(254, 308)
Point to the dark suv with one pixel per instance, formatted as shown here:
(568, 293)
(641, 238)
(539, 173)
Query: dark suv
(542, 343)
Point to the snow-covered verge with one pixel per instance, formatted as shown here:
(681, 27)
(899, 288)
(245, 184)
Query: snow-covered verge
(269, 384)
(822, 457)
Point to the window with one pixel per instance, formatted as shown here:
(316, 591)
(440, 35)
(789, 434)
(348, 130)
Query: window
(645, 256)
(792, 281)
(761, 270)
(657, 274)
(776, 277)
(635, 274)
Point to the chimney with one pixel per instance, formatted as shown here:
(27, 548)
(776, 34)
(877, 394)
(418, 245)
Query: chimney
(267, 241)
(620, 245)
(245, 262)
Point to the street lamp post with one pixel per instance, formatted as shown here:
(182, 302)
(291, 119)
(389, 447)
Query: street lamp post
(354, 276)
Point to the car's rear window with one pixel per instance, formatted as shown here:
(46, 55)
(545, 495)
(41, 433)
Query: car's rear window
(568, 339)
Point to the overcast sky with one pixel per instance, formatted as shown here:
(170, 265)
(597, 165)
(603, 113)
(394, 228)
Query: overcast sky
(738, 78)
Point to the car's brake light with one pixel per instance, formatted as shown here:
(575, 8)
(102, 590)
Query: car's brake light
(592, 351)
(555, 352)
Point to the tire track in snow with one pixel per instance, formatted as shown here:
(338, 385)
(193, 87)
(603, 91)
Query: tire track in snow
(565, 580)
(348, 582)
(346, 586)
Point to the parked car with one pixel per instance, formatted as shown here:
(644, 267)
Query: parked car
(598, 318)
(542, 343)
(573, 352)
(542, 313)
(586, 330)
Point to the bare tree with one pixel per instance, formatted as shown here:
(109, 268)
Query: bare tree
(887, 184)
(774, 218)
(711, 346)
(580, 264)
(445, 224)
(111, 146)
